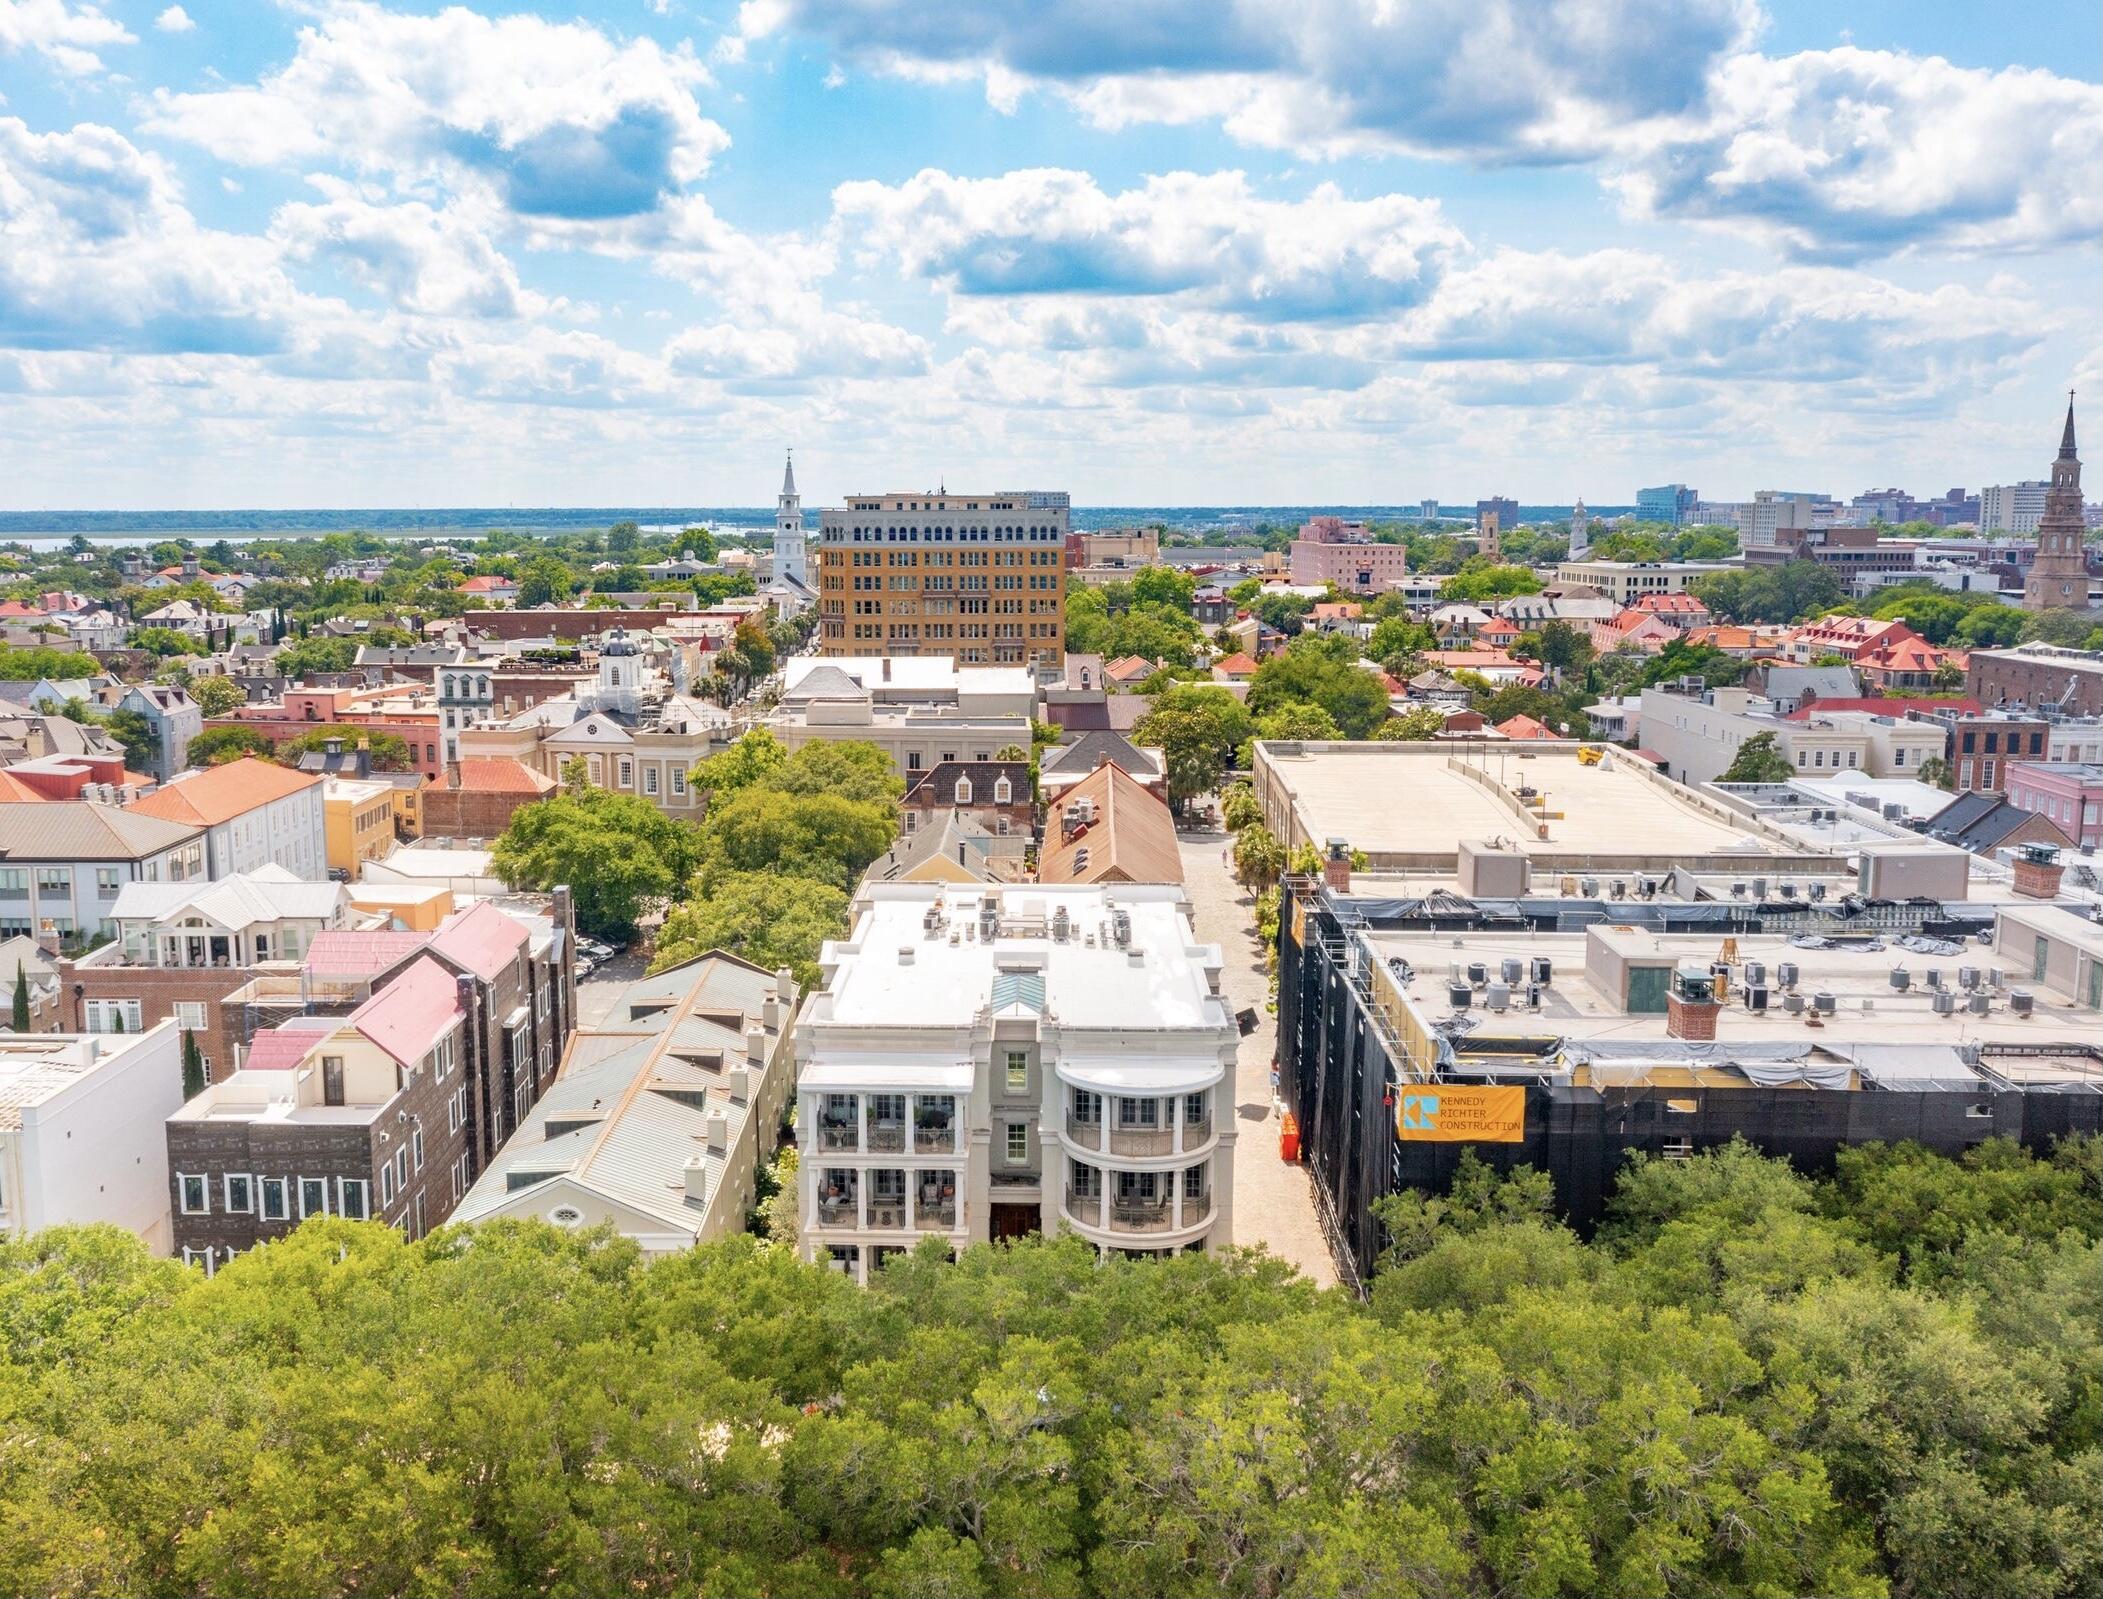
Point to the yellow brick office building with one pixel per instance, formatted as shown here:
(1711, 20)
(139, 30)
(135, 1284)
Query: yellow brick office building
(979, 578)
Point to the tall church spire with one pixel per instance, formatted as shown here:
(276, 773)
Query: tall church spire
(788, 478)
(2058, 575)
(2066, 439)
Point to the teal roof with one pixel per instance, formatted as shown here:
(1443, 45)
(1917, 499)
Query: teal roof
(1018, 988)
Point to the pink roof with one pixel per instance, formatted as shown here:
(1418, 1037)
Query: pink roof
(278, 1049)
(502, 774)
(481, 938)
(351, 952)
(1676, 600)
(1524, 726)
(406, 1017)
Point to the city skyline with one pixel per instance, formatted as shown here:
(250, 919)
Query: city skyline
(349, 254)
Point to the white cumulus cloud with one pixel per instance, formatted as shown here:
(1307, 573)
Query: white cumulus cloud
(175, 20)
(71, 37)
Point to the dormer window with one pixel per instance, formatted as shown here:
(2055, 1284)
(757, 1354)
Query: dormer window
(1003, 791)
(963, 791)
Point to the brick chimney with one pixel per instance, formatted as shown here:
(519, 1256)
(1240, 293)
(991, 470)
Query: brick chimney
(1336, 866)
(1691, 1009)
(2038, 871)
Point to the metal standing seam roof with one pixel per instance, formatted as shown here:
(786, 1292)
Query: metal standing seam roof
(268, 894)
(224, 792)
(645, 1105)
(406, 1017)
(481, 938)
(81, 830)
(360, 952)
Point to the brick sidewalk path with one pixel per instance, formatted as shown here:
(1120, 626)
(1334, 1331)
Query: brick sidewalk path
(1273, 1201)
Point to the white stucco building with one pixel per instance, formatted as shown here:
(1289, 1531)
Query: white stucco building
(254, 813)
(985, 1061)
(81, 1130)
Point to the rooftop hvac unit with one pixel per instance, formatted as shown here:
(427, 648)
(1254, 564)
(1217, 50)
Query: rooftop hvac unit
(1121, 927)
(1478, 974)
(1459, 995)
(1786, 974)
(1542, 970)
(1533, 996)
(1995, 977)
(1967, 978)
(1818, 893)
(1062, 924)
(1499, 996)
(1945, 1002)
(1893, 810)
(1511, 969)
(1738, 889)
(1901, 979)
(1756, 997)
(1978, 1002)
(1756, 971)
(1620, 890)
(2021, 1001)
(1589, 887)
(1793, 1003)
(1788, 889)
(1825, 1001)
(1759, 888)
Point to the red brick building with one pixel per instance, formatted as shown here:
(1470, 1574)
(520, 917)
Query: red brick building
(478, 795)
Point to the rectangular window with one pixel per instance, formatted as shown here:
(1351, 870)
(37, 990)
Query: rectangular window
(313, 1197)
(1193, 1182)
(650, 780)
(1018, 1071)
(1139, 1113)
(1018, 1142)
(276, 1201)
(459, 1178)
(401, 1168)
(416, 1144)
(1087, 1107)
(240, 1194)
(1193, 1109)
(387, 1185)
(194, 1194)
(678, 780)
(627, 772)
(189, 1014)
(353, 1197)
(107, 1015)
(13, 880)
(54, 879)
(108, 879)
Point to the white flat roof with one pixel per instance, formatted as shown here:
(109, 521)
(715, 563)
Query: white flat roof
(895, 973)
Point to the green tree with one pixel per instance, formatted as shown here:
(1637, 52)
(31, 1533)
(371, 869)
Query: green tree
(1198, 730)
(1163, 585)
(1935, 772)
(1259, 859)
(142, 744)
(1323, 672)
(1239, 807)
(390, 752)
(308, 657)
(1758, 761)
(193, 1067)
(543, 581)
(1417, 723)
(621, 856)
(20, 1018)
(754, 757)
(217, 696)
(768, 918)
(1480, 580)
(215, 746)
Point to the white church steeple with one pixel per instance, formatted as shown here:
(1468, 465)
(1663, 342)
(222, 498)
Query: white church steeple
(789, 557)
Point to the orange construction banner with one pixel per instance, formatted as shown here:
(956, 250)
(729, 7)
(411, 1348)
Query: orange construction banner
(1448, 1113)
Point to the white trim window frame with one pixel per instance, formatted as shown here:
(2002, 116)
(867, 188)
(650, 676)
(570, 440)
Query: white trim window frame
(313, 1193)
(184, 1190)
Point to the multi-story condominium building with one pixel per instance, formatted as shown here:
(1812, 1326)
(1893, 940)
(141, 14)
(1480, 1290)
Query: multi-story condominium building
(362, 1118)
(1331, 550)
(980, 578)
(1625, 582)
(1698, 737)
(2012, 507)
(1671, 503)
(993, 1060)
(182, 951)
(2068, 792)
(80, 1131)
(921, 713)
(1114, 547)
(254, 814)
(175, 720)
(64, 862)
(663, 1115)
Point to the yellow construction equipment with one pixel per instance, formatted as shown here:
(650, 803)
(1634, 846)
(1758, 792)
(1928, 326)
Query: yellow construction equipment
(1589, 755)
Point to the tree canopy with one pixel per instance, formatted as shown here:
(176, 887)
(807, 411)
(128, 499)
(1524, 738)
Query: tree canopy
(1750, 1383)
(1322, 672)
(620, 855)
(1758, 761)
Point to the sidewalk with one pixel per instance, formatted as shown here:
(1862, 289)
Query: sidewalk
(1273, 1201)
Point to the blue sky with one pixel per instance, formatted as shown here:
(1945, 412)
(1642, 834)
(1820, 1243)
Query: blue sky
(1151, 251)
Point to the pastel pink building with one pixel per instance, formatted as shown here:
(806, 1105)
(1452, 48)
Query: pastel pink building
(2067, 792)
(1331, 550)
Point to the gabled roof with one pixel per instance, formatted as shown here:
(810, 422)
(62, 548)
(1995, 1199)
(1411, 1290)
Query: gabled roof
(79, 830)
(938, 785)
(224, 792)
(1086, 751)
(1239, 664)
(349, 954)
(407, 1016)
(280, 1048)
(501, 774)
(1526, 727)
(954, 848)
(481, 938)
(1132, 839)
(1130, 668)
(268, 894)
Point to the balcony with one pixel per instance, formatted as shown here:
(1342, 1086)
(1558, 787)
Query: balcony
(1197, 1209)
(1087, 1209)
(838, 1212)
(1142, 1141)
(931, 1138)
(1142, 1216)
(1088, 1135)
(1196, 1133)
(833, 1135)
(887, 1214)
(887, 1138)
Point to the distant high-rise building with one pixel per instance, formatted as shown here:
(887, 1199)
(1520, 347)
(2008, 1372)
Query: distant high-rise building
(2012, 507)
(790, 559)
(1580, 530)
(1429, 510)
(1762, 518)
(979, 578)
(1489, 533)
(2058, 578)
(1671, 503)
(1506, 511)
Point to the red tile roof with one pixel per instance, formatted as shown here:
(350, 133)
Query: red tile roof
(406, 1017)
(1523, 726)
(354, 953)
(502, 774)
(481, 938)
(1239, 664)
(223, 792)
(1679, 600)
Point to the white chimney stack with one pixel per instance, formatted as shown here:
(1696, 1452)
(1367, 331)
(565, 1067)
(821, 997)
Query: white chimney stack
(737, 1084)
(755, 1047)
(718, 1131)
(697, 1179)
